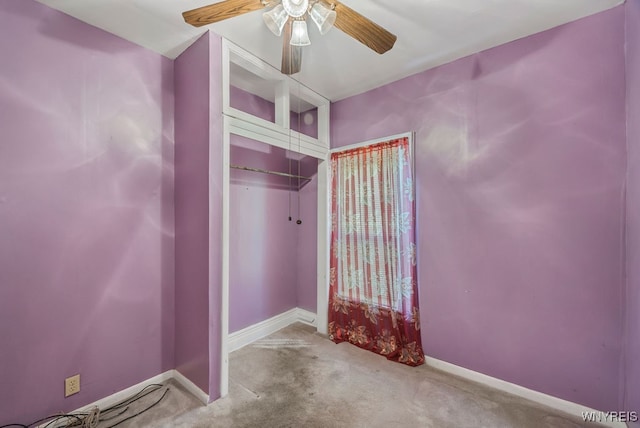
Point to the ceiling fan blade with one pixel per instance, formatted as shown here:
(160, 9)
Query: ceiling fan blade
(220, 11)
(362, 29)
(291, 55)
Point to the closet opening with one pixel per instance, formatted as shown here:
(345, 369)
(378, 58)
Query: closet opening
(274, 248)
(273, 233)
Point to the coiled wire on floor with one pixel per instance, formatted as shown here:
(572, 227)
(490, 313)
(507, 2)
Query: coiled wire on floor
(94, 416)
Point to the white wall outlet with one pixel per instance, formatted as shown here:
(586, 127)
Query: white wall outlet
(72, 385)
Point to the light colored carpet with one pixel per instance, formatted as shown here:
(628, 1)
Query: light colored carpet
(297, 378)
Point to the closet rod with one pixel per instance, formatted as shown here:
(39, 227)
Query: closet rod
(264, 171)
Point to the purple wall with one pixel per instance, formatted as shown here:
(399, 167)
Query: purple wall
(298, 119)
(272, 259)
(265, 256)
(192, 212)
(307, 249)
(252, 104)
(263, 269)
(632, 375)
(86, 212)
(520, 154)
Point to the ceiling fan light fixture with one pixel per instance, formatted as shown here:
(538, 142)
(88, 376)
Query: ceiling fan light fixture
(275, 19)
(296, 8)
(299, 34)
(323, 17)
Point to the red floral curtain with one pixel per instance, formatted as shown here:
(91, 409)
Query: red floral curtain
(373, 298)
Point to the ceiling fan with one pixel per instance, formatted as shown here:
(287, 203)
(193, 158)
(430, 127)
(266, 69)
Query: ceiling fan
(288, 17)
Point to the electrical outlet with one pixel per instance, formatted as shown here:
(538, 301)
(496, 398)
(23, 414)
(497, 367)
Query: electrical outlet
(72, 385)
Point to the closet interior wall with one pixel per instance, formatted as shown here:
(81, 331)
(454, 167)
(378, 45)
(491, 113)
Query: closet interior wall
(272, 259)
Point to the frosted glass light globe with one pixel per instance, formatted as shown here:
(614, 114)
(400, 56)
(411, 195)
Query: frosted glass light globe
(296, 8)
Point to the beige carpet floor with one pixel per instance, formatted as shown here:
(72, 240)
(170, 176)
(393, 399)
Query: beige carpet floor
(297, 378)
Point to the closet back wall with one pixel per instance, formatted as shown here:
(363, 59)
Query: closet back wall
(262, 240)
(86, 212)
(308, 248)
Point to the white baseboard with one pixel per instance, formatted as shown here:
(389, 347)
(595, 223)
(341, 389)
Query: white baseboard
(119, 396)
(190, 386)
(511, 388)
(242, 338)
(126, 393)
(306, 317)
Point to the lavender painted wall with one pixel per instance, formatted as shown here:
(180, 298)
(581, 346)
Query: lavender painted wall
(298, 122)
(86, 212)
(632, 370)
(192, 212)
(264, 253)
(307, 248)
(272, 259)
(520, 154)
(263, 268)
(252, 104)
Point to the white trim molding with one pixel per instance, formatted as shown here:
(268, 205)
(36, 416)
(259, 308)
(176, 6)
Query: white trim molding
(224, 292)
(278, 134)
(119, 396)
(306, 317)
(323, 242)
(556, 403)
(190, 386)
(246, 336)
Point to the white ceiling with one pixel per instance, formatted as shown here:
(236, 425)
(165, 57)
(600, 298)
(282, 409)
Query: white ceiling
(430, 33)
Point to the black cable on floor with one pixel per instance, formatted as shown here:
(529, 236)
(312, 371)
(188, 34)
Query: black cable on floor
(51, 419)
(57, 418)
(81, 416)
(114, 416)
(142, 411)
(134, 397)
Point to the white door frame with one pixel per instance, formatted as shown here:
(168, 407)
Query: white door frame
(277, 134)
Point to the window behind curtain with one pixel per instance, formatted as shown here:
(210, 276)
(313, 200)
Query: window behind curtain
(373, 289)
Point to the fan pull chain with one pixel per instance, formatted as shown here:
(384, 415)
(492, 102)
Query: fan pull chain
(289, 183)
(289, 192)
(299, 158)
(290, 218)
